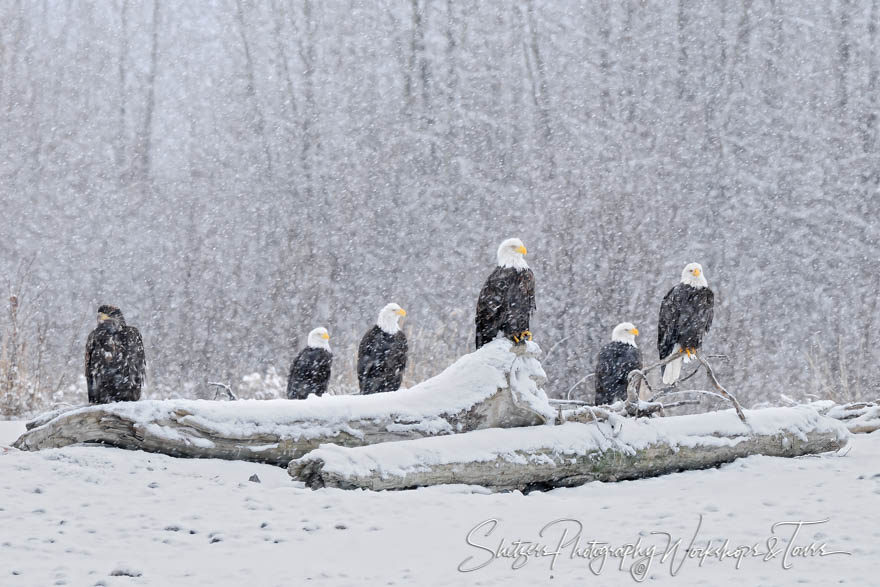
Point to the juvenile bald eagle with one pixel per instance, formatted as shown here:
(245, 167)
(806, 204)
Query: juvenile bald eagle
(310, 371)
(685, 316)
(507, 299)
(115, 362)
(615, 361)
(382, 353)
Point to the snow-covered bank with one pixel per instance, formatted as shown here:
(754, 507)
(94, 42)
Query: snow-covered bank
(498, 385)
(97, 516)
(573, 453)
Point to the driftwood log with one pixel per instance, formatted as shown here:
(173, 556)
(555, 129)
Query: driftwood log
(497, 386)
(573, 453)
(858, 417)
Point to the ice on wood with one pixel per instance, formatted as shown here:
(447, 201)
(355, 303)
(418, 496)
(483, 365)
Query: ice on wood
(497, 386)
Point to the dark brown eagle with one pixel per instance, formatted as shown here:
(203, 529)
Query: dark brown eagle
(115, 362)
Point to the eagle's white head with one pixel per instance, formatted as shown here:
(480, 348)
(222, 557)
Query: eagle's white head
(389, 317)
(625, 332)
(511, 253)
(319, 338)
(693, 275)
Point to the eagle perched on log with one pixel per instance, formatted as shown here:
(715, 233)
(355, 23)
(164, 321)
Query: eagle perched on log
(614, 363)
(685, 316)
(310, 371)
(382, 353)
(507, 299)
(115, 362)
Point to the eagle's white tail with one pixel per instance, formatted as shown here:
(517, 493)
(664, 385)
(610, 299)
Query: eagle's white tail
(672, 370)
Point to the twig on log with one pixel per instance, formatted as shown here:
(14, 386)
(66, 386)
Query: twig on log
(574, 402)
(669, 391)
(570, 389)
(553, 348)
(586, 414)
(225, 388)
(720, 388)
(686, 377)
(787, 400)
(638, 375)
(684, 402)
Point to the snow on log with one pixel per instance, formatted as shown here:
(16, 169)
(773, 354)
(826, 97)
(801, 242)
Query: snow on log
(858, 417)
(573, 453)
(497, 386)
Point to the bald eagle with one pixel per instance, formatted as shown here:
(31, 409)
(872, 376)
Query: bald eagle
(685, 316)
(615, 361)
(507, 299)
(310, 371)
(115, 362)
(382, 353)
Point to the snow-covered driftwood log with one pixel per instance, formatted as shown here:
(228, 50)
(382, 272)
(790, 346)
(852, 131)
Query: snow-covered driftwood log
(498, 386)
(858, 417)
(573, 453)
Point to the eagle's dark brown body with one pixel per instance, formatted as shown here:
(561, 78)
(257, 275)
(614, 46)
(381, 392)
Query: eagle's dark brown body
(505, 305)
(115, 364)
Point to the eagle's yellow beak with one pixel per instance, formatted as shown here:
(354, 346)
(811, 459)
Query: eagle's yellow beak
(635, 331)
(522, 250)
(696, 272)
(326, 336)
(102, 316)
(402, 312)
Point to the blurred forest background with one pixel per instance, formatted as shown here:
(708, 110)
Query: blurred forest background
(233, 173)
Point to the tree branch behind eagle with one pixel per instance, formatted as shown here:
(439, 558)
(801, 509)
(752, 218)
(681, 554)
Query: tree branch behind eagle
(115, 363)
(685, 317)
(507, 299)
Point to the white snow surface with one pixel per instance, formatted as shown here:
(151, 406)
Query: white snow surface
(104, 516)
(400, 458)
(468, 381)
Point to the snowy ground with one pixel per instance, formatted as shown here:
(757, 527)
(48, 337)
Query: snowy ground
(100, 516)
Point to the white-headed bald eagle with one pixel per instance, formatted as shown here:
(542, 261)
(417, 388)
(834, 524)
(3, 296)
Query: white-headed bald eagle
(310, 371)
(382, 353)
(507, 299)
(685, 316)
(115, 362)
(614, 363)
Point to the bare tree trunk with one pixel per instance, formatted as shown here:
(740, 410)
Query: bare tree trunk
(309, 150)
(869, 135)
(681, 26)
(144, 145)
(540, 92)
(251, 86)
(123, 63)
(843, 57)
(418, 60)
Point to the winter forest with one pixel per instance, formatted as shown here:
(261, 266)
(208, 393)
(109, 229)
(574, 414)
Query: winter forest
(232, 174)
